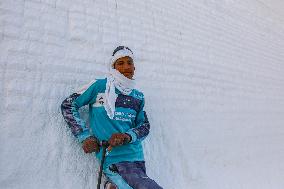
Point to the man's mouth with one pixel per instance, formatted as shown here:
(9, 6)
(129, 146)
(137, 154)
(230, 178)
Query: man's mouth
(128, 74)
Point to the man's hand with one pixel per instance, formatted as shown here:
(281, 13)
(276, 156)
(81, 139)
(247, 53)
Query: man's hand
(91, 145)
(118, 139)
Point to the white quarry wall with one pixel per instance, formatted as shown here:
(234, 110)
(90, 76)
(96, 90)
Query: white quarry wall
(211, 71)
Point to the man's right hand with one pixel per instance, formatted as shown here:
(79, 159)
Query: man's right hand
(90, 145)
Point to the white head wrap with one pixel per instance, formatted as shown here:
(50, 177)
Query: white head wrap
(117, 80)
(121, 52)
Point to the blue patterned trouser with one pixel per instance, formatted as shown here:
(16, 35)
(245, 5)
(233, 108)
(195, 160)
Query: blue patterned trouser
(130, 175)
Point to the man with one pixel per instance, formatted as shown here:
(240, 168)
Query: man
(116, 112)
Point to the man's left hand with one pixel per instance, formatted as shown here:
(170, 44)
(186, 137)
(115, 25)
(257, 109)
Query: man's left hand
(118, 139)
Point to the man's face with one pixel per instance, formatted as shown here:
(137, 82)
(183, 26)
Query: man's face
(125, 66)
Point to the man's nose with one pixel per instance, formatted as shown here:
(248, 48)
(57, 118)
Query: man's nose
(127, 66)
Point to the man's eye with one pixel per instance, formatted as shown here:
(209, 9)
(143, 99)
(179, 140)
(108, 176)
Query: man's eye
(120, 63)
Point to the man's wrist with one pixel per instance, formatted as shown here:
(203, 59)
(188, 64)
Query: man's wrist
(132, 135)
(129, 138)
(90, 138)
(83, 136)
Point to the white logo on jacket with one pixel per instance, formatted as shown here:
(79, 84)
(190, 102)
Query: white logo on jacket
(100, 100)
(118, 115)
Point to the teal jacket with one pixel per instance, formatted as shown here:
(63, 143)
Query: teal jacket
(129, 118)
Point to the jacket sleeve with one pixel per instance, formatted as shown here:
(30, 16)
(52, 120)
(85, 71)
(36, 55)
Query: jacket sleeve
(70, 111)
(142, 129)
